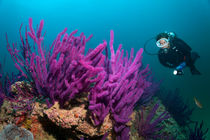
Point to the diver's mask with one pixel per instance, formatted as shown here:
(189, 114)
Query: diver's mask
(165, 44)
(167, 40)
(171, 35)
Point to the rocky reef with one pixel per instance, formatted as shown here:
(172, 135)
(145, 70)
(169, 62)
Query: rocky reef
(63, 93)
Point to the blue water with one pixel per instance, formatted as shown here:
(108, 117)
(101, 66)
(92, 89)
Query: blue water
(133, 22)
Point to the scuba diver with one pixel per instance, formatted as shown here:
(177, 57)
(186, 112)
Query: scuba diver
(175, 53)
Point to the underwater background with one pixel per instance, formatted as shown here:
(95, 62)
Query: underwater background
(133, 22)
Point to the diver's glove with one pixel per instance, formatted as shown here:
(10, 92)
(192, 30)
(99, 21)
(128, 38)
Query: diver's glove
(179, 69)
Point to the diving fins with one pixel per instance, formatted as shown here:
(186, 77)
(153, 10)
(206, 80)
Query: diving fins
(194, 71)
(194, 56)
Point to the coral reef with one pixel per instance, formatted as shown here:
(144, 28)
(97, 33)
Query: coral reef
(21, 97)
(119, 89)
(149, 92)
(1, 99)
(62, 72)
(29, 121)
(198, 133)
(69, 94)
(176, 106)
(150, 129)
(170, 128)
(49, 123)
(77, 118)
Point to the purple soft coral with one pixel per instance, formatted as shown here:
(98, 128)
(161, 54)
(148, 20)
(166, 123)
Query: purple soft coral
(121, 86)
(150, 129)
(64, 71)
(129, 82)
(18, 94)
(148, 92)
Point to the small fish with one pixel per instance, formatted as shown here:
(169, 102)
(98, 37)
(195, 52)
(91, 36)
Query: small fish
(198, 103)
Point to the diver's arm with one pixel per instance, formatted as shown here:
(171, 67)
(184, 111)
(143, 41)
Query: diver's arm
(179, 69)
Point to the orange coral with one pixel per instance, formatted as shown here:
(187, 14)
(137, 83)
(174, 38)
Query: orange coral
(76, 115)
(20, 119)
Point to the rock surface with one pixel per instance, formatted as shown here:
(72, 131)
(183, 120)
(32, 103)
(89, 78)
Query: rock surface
(78, 118)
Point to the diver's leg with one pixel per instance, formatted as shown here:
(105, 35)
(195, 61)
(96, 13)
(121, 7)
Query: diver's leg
(194, 56)
(191, 63)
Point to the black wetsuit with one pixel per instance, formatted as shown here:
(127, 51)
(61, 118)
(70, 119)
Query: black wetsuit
(178, 53)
